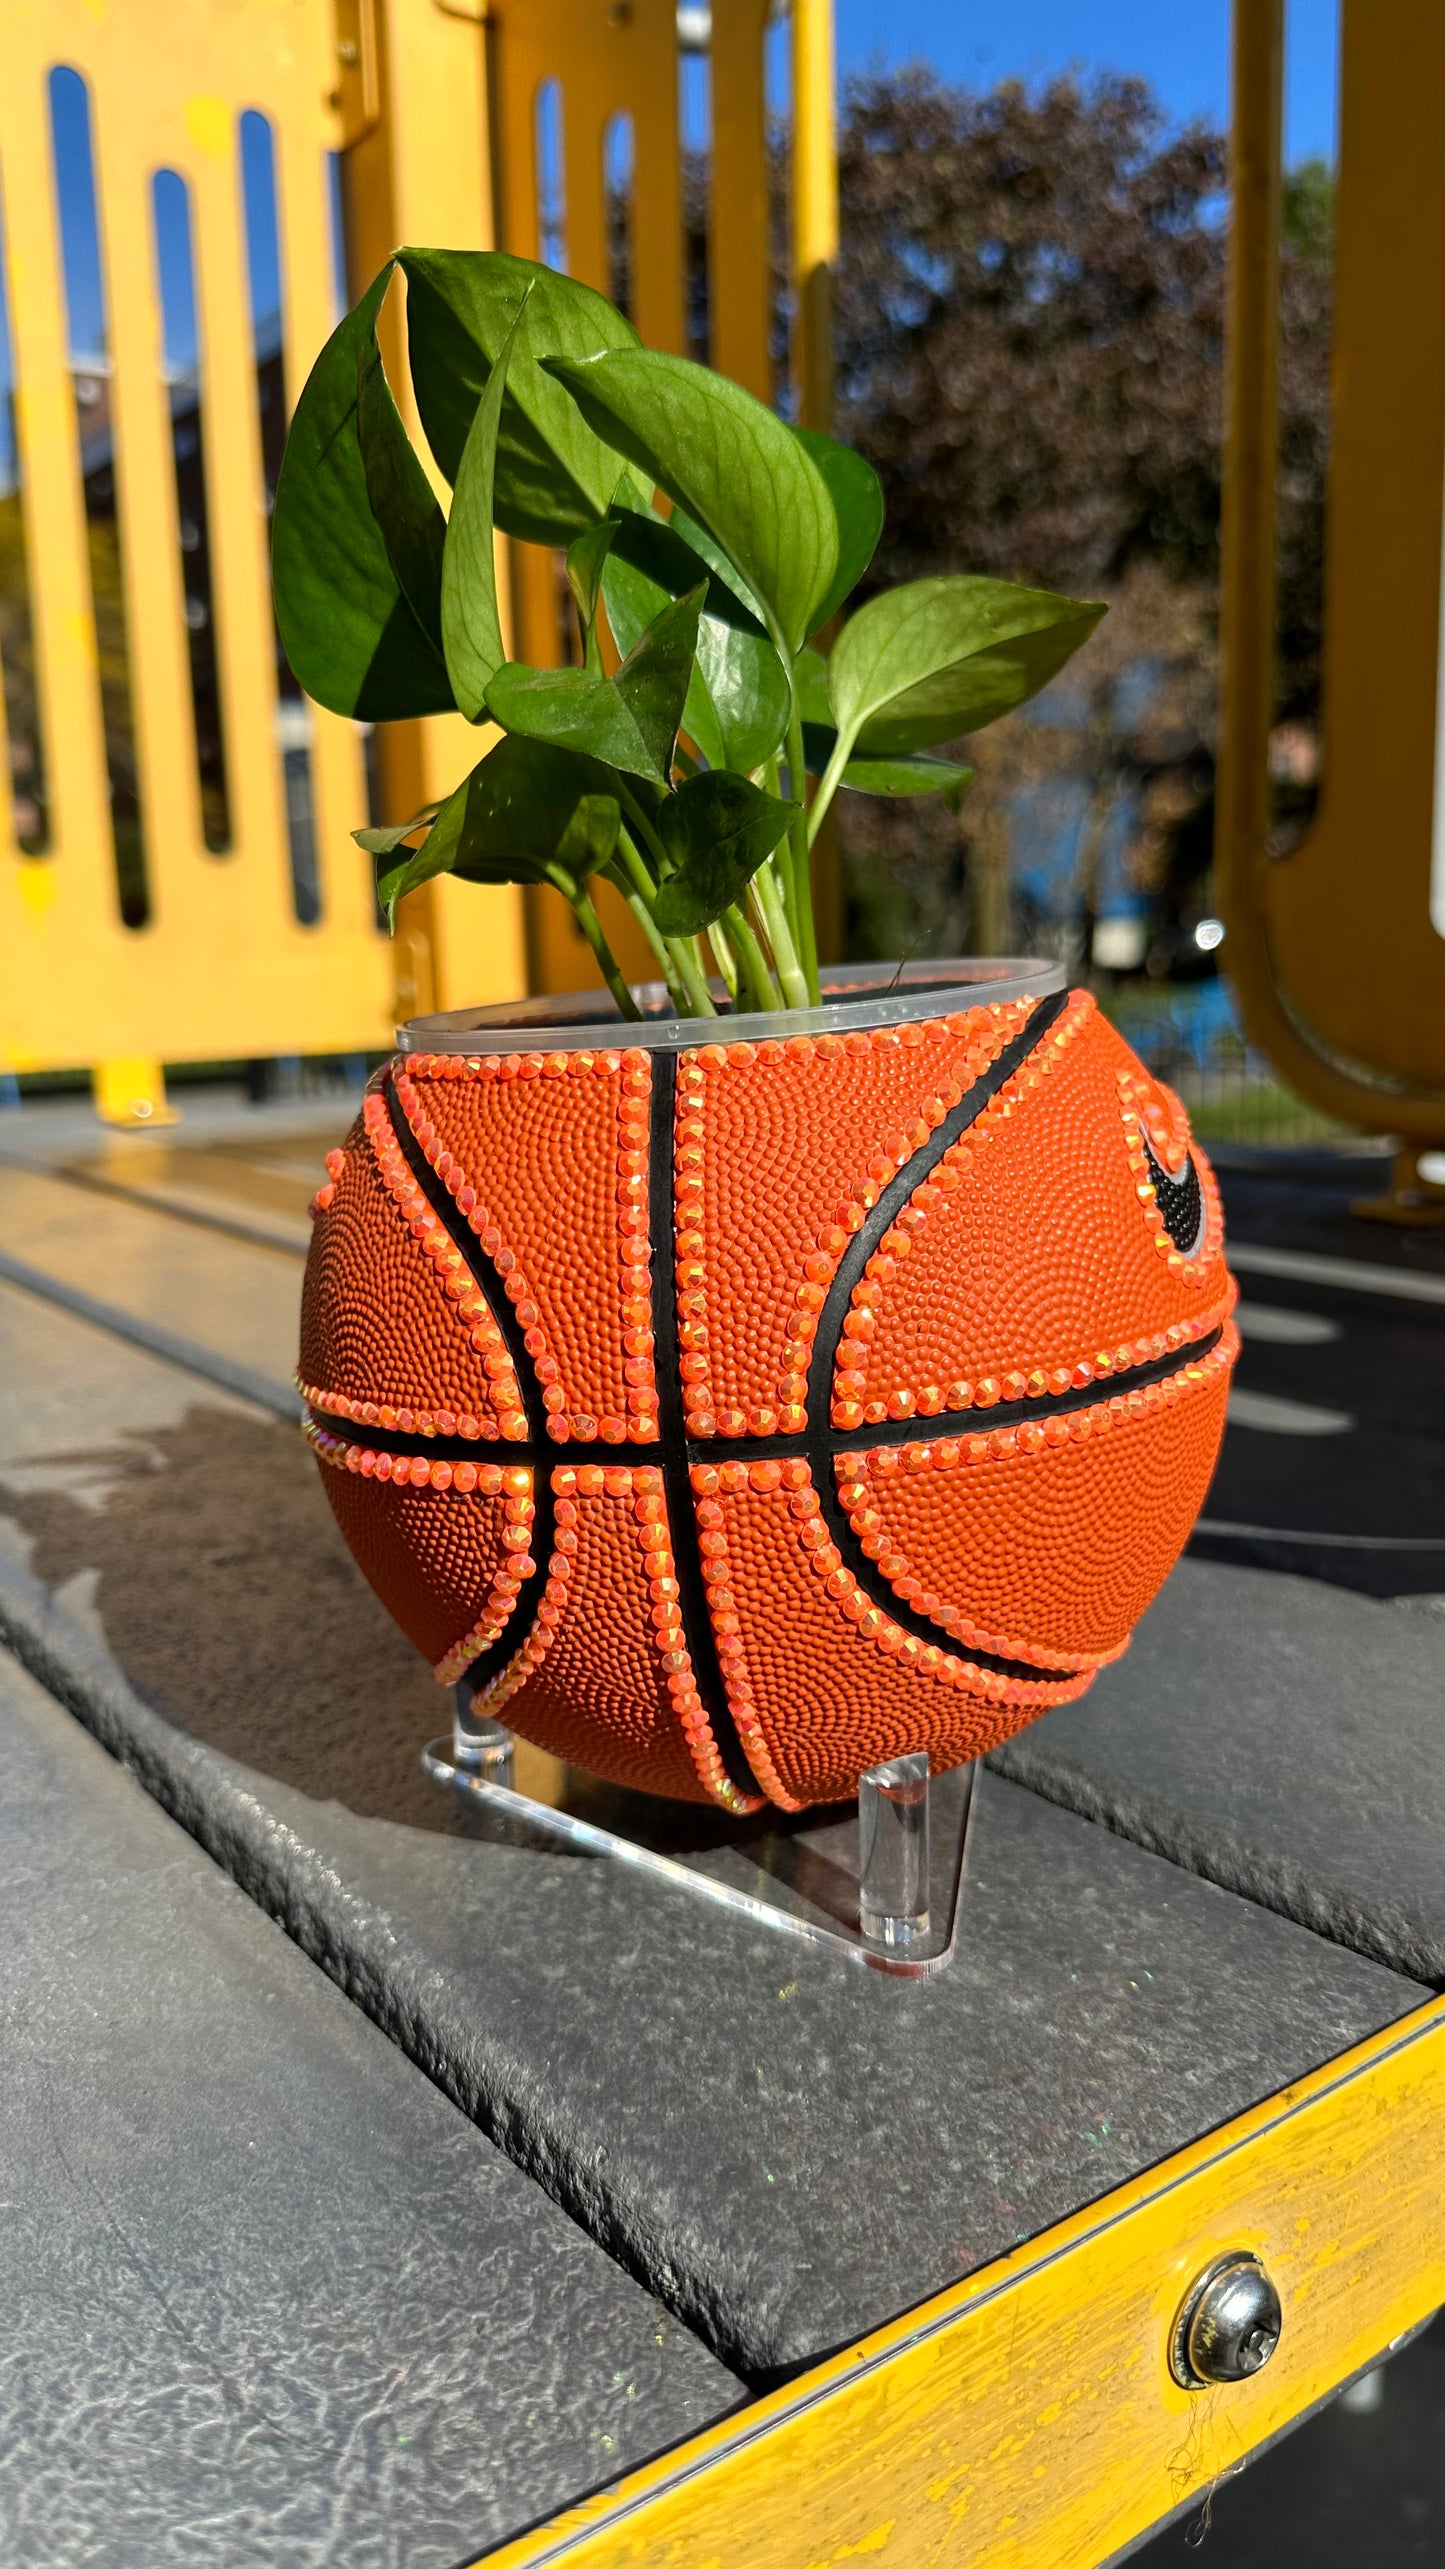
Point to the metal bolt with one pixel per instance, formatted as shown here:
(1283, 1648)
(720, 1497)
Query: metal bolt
(1229, 2325)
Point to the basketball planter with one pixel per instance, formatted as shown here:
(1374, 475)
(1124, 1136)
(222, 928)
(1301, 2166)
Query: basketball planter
(737, 1414)
(743, 1396)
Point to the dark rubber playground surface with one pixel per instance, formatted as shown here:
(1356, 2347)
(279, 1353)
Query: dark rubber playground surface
(1269, 1763)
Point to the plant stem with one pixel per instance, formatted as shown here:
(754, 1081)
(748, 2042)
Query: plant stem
(591, 927)
(785, 956)
(761, 987)
(677, 989)
(800, 869)
(689, 965)
(643, 826)
(828, 785)
(678, 956)
(723, 955)
(627, 855)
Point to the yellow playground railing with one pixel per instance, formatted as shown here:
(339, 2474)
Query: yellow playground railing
(188, 191)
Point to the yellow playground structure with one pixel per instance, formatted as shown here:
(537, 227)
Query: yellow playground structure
(189, 189)
(177, 879)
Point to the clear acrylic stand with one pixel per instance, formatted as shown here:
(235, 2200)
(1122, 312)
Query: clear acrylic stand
(878, 1881)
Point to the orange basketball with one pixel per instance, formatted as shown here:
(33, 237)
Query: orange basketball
(735, 1413)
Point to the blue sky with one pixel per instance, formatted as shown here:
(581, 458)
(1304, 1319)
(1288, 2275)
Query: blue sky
(1181, 47)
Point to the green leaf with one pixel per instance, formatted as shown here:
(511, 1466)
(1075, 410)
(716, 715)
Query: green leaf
(554, 476)
(401, 498)
(348, 632)
(471, 627)
(810, 679)
(382, 842)
(717, 829)
(525, 814)
(911, 773)
(939, 657)
(585, 561)
(708, 550)
(737, 697)
(730, 462)
(630, 721)
(589, 841)
(398, 873)
(857, 497)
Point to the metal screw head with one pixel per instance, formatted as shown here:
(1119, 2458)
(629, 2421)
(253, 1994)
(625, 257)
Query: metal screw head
(1229, 2324)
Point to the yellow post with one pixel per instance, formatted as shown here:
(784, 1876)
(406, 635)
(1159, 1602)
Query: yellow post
(131, 1091)
(815, 207)
(815, 254)
(422, 172)
(1337, 950)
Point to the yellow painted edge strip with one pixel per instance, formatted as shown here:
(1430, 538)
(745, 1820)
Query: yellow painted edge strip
(1027, 2415)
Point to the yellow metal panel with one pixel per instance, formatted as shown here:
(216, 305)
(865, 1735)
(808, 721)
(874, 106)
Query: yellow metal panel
(40, 912)
(224, 966)
(1028, 2417)
(738, 258)
(608, 61)
(427, 179)
(1340, 969)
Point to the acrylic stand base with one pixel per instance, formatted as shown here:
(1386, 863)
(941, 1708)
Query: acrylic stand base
(877, 1881)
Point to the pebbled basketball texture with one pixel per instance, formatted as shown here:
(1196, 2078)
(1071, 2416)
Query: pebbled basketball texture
(735, 1416)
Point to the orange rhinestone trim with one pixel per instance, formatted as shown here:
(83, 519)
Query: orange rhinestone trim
(410, 1422)
(1021, 1380)
(457, 1278)
(857, 1488)
(414, 1471)
(490, 1699)
(790, 1486)
(642, 1487)
(859, 1477)
(520, 1514)
(852, 1405)
(634, 1250)
(458, 1283)
(694, 1364)
(712, 1543)
(325, 1195)
(1150, 1110)
(982, 1032)
(633, 1070)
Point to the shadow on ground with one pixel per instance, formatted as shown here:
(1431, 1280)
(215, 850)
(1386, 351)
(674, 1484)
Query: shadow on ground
(214, 1570)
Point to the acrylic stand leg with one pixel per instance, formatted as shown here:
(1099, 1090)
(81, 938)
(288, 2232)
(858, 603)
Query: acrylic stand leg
(877, 1883)
(893, 1852)
(480, 1748)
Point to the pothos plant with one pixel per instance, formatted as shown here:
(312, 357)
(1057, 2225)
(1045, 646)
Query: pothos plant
(710, 546)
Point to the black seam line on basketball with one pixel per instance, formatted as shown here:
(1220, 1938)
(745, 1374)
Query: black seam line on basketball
(518, 1627)
(1006, 1414)
(926, 1627)
(692, 1602)
(917, 1430)
(820, 1440)
(897, 1193)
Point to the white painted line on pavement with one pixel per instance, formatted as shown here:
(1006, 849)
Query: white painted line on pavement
(1353, 1273)
(1276, 1416)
